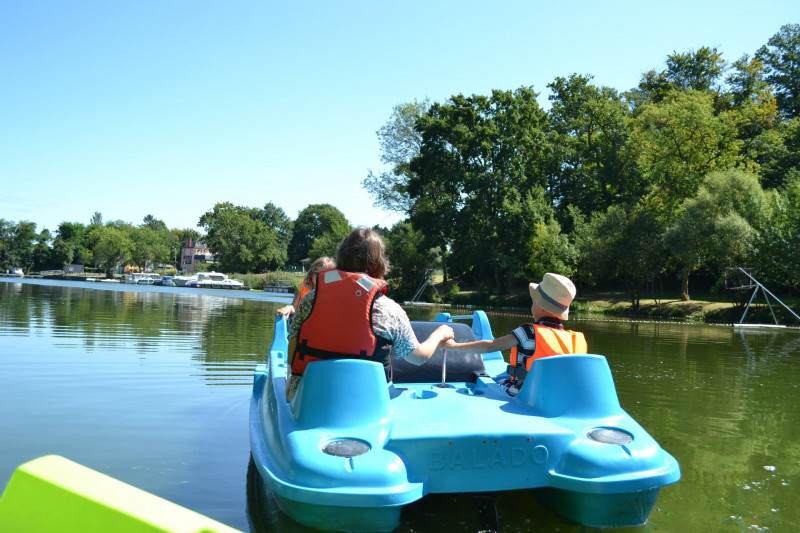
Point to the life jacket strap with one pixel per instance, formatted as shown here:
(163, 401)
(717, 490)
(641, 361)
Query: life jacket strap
(518, 372)
(303, 349)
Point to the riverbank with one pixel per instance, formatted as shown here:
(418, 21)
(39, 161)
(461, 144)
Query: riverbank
(704, 308)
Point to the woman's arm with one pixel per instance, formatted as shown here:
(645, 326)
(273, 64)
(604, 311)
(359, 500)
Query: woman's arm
(425, 349)
(505, 342)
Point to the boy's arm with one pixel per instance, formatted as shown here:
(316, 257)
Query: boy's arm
(505, 342)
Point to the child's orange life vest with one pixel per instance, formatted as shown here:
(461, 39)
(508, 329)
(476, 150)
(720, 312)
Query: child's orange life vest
(549, 341)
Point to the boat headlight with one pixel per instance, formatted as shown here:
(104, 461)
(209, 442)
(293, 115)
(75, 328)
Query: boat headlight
(610, 436)
(345, 447)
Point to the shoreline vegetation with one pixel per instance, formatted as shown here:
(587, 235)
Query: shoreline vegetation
(708, 308)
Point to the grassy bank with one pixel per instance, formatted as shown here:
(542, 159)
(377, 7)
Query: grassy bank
(710, 308)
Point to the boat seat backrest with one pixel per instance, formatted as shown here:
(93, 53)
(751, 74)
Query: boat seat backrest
(461, 366)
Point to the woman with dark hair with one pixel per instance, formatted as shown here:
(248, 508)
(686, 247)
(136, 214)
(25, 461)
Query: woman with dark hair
(348, 314)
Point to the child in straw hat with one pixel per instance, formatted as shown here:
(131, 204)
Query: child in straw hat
(544, 337)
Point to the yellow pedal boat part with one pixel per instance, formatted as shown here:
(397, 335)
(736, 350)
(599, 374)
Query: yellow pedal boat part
(54, 494)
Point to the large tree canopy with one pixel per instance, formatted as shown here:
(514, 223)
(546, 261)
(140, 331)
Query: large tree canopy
(589, 130)
(111, 246)
(480, 155)
(70, 244)
(314, 222)
(679, 140)
(242, 241)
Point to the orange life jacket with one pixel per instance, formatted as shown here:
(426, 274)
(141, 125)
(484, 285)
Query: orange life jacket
(549, 341)
(340, 323)
(305, 288)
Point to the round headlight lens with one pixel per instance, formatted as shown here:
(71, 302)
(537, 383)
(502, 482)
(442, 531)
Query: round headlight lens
(610, 436)
(345, 447)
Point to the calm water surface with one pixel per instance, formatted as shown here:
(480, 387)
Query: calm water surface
(151, 385)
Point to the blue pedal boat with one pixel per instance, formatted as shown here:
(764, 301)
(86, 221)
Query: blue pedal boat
(350, 450)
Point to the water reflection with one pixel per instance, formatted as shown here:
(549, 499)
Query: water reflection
(214, 329)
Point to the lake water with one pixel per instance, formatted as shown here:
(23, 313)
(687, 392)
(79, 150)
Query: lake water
(151, 385)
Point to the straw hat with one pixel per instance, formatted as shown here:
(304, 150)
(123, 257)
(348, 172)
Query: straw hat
(553, 294)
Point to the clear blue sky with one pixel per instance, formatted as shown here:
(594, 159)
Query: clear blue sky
(167, 107)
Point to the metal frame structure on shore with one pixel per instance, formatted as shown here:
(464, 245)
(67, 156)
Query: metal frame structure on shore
(759, 285)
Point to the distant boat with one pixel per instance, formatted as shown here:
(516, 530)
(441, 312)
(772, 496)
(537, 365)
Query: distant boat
(215, 280)
(142, 278)
(16, 272)
(181, 281)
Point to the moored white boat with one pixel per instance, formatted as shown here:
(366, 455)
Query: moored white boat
(181, 281)
(141, 278)
(215, 280)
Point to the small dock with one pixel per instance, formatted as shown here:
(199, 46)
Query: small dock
(281, 286)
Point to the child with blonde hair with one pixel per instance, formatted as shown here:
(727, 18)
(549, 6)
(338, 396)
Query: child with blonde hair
(309, 282)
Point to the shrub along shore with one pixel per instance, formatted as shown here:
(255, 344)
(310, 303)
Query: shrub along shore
(707, 308)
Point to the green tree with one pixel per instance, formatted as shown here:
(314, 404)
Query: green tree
(400, 142)
(97, 219)
(239, 238)
(696, 70)
(42, 251)
(275, 218)
(70, 245)
(434, 204)
(589, 129)
(779, 251)
(781, 59)
(479, 155)
(153, 223)
(746, 81)
(755, 116)
(314, 222)
(328, 242)
(151, 247)
(411, 260)
(780, 153)
(718, 226)
(680, 140)
(540, 244)
(111, 246)
(7, 260)
(622, 244)
(21, 244)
